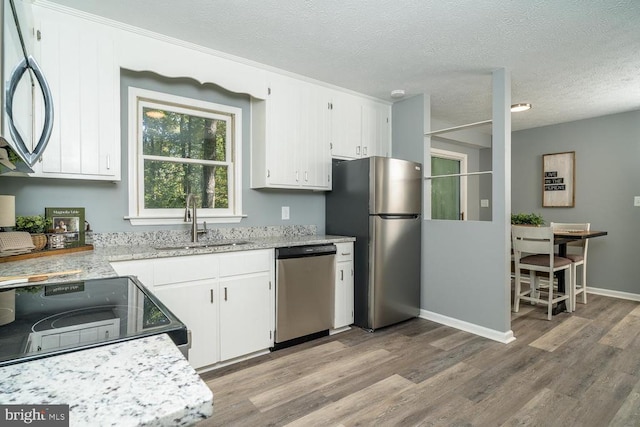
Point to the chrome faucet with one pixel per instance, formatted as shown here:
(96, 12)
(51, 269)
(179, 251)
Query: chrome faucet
(193, 217)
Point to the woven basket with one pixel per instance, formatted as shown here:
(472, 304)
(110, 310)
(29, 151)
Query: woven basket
(39, 241)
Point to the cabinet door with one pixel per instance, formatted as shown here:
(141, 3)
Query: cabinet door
(314, 152)
(346, 129)
(375, 129)
(349, 291)
(245, 315)
(282, 113)
(78, 60)
(343, 302)
(195, 305)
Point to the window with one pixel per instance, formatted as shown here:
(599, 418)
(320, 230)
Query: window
(179, 146)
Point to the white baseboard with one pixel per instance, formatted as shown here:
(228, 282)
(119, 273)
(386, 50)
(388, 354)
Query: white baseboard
(613, 294)
(503, 337)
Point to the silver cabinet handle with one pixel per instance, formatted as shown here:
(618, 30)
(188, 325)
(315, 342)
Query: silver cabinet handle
(225, 294)
(364, 151)
(306, 176)
(108, 162)
(358, 150)
(341, 274)
(211, 290)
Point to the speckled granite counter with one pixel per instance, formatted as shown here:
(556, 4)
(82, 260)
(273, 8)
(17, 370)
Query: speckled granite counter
(141, 382)
(95, 264)
(155, 384)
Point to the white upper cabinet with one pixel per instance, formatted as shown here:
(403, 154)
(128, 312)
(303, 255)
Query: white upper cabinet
(346, 129)
(359, 127)
(290, 147)
(376, 129)
(78, 59)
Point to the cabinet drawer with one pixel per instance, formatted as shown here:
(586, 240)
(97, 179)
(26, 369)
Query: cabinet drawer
(245, 262)
(344, 251)
(185, 269)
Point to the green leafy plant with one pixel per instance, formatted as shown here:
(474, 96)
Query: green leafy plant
(527, 219)
(33, 224)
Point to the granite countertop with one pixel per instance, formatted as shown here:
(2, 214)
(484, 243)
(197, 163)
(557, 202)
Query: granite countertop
(95, 264)
(141, 382)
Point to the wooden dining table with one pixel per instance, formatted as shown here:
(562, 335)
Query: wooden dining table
(561, 238)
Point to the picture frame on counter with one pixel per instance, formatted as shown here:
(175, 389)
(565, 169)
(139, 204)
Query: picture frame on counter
(67, 229)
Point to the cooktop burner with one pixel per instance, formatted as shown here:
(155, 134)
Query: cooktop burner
(56, 318)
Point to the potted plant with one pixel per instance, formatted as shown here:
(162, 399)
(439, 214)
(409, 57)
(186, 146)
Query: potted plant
(527, 219)
(36, 225)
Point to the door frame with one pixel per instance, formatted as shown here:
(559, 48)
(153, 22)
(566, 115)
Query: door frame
(462, 158)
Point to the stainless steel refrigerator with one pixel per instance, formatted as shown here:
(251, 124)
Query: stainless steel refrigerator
(378, 200)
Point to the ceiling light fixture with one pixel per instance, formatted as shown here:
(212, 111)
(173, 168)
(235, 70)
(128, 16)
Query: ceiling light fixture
(517, 108)
(398, 93)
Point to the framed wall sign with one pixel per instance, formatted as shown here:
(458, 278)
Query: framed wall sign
(558, 180)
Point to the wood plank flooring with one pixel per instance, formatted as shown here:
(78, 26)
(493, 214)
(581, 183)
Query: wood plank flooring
(579, 369)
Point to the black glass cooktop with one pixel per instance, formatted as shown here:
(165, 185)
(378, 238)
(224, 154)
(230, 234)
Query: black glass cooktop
(56, 318)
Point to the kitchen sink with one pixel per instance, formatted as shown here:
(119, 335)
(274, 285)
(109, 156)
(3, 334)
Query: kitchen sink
(198, 245)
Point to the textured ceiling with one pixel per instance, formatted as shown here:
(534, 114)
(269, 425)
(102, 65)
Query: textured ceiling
(572, 59)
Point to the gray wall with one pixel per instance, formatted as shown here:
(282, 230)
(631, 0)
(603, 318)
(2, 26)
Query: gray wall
(464, 263)
(485, 183)
(407, 129)
(106, 203)
(607, 178)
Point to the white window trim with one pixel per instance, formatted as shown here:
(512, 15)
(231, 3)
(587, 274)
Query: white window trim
(462, 158)
(176, 216)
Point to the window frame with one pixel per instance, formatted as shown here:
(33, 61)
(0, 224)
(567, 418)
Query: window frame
(139, 98)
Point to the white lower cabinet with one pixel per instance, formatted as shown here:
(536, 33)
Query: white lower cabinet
(195, 305)
(226, 300)
(343, 292)
(244, 316)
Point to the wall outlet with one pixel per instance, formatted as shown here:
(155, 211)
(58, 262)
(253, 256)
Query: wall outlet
(484, 203)
(285, 212)
(636, 201)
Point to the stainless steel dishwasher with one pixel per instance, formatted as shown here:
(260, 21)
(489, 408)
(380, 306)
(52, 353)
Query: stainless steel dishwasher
(304, 292)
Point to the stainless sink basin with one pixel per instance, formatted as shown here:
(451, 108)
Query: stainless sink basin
(198, 245)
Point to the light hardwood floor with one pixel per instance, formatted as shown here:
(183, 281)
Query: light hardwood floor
(579, 369)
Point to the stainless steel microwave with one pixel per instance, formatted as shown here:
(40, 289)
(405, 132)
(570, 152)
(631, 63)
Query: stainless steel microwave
(23, 137)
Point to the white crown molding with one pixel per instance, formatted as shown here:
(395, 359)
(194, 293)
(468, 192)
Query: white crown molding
(188, 45)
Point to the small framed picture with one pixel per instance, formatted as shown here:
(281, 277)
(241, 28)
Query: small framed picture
(558, 180)
(69, 223)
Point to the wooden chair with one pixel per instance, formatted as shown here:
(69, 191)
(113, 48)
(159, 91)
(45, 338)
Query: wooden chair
(577, 253)
(533, 251)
